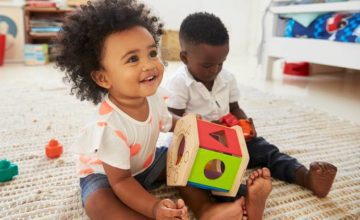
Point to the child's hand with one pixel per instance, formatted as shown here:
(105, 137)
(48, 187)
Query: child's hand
(198, 116)
(253, 132)
(167, 209)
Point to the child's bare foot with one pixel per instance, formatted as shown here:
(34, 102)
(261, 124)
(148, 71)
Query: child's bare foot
(319, 178)
(226, 210)
(259, 186)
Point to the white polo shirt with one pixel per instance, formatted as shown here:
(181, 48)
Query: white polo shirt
(186, 93)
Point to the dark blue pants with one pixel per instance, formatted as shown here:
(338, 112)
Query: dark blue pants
(264, 154)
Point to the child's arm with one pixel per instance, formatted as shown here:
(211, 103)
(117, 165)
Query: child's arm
(137, 198)
(237, 111)
(176, 115)
(177, 112)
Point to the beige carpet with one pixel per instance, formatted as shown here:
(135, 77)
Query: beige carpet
(48, 189)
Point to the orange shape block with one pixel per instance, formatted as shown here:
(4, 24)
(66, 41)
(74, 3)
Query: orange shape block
(246, 127)
(53, 149)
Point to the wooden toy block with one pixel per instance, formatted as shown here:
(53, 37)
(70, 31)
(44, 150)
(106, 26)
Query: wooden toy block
(184, 147)
(226, 175)
(219, 138)
(207, 156)
(241, 171)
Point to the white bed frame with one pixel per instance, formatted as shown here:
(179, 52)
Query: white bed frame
(325, 52)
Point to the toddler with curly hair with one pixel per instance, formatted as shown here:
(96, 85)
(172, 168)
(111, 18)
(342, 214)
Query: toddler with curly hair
(109, 52)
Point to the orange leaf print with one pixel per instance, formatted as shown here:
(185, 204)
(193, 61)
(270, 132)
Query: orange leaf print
(148, 161)
(102, 124)
(86, 171)
(105, 108)
(160, 125)
(84, 159)
(122, 136)
(134, 149)
(95, 162)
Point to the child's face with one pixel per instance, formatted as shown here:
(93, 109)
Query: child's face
(131, 65)
(205, 61)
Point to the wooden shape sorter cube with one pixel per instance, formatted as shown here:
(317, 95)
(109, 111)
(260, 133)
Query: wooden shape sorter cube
(207, 155)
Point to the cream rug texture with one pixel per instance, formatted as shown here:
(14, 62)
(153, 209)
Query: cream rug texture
(48, 189)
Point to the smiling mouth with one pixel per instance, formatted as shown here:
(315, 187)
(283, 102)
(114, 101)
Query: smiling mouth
(149, 79)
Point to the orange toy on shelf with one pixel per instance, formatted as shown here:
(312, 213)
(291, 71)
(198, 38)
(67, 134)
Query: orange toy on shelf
(53, 149)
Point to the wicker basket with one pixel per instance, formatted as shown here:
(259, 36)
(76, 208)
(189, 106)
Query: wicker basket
(170, 46)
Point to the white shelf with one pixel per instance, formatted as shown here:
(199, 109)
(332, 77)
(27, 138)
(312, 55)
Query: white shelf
(319, 7)
(315, 51)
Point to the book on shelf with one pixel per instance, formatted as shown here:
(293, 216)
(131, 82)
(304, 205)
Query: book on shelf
(43, 34)
(36, 54)
(45, 23)
(45, 29)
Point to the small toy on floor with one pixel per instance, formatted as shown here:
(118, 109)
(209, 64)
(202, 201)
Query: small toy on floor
(53, 149)
(7, 170)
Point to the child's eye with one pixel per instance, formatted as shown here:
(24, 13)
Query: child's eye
(133, 59)
(153, 53)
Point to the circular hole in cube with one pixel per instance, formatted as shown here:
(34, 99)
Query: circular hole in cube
(181, 149)
(214, 169)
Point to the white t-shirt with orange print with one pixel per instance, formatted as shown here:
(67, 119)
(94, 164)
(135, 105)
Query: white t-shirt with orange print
(117, 139)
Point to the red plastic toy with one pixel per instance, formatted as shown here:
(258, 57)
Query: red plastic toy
(297, 69)
(53, 149)
(230, 120)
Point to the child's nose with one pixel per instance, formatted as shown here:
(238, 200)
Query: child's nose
(148, 65)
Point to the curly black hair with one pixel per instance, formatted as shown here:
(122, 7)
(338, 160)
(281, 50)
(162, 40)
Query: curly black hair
(203, 27)
(80, 43)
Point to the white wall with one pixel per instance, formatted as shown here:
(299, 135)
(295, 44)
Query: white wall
(235, 14)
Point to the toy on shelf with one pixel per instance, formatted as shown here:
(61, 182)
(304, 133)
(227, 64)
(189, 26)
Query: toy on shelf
(230, 120)
(207, 155)
(7, 170)
(53, 149)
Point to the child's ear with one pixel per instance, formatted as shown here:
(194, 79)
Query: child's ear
(183, 57)
(101, 79)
